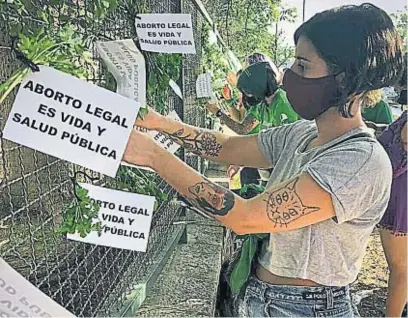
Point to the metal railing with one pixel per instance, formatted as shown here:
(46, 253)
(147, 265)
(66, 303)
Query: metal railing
(35, 188)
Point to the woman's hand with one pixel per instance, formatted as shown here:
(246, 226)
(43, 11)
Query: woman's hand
(141, 150)
(226, 92)
(232, 171)
(152, 120)
(232, 79)
(213, 107)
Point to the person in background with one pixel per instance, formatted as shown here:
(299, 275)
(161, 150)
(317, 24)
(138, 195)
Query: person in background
(239, 120)
(232, 78)
(237, 111)
(331, 179)
(393, 225)
(264, 101)
(375, 109)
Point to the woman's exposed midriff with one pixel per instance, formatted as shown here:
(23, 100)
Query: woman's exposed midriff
(267, 277)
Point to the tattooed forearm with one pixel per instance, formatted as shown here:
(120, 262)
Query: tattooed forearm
(202, 143)
(211, 199)
(284, 205)
(243, 128)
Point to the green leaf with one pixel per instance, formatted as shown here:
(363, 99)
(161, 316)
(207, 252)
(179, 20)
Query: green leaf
(143, 111)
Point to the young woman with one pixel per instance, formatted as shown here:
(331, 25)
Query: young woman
(232, 78)
(393, 225)
(264, 101)
(331, 179)
(242, 120)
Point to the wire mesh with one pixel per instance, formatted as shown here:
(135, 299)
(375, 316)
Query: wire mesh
(35, 188)
(192, 67)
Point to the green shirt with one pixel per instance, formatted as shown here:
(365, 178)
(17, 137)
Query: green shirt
(381, 113)
(278, 113)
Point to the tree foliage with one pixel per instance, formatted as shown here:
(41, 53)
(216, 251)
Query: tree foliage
(248, 26)
(400, 21)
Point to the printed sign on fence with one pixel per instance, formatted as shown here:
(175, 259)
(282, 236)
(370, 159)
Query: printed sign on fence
(161, 139)
(71, 119)
(127, 65)
(125, 217)
(167, 33)
(203, 85)
(176, 89)
(19, 298)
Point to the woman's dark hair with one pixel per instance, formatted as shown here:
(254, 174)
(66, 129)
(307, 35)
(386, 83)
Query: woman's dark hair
(260, 80)
(361, 43)
(256, 58)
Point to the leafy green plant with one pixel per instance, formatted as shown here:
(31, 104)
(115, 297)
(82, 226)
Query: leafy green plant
(132, 180)
(401, 24)
(81, 216)
(213, 58)
(26, 15)
(65, 51)
(51, 33)
(164, 67)
(217, 62)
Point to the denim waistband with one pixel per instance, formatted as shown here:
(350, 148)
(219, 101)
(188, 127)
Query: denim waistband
(306, 294)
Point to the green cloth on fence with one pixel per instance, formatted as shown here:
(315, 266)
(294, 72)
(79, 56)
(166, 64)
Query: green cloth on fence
(242, 268)
(243, 264)
(256, 187)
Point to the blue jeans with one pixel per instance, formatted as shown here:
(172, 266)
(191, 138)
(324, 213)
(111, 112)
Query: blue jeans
(261, 299)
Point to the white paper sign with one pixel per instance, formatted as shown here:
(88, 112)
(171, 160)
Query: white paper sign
(203, 85)
(127, 65)
(161, 139)
(19, 298)
(176, 89)
(71, 119)
(212, 37)
(125, 217)
(235, 63)
(167, 33)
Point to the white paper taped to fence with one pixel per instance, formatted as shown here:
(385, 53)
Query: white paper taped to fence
(212, 37)
(203, 85)
(19, 298)
(127, 65)
(176, 89)
(235, 64)
(161, 139)
(167, 33)
(71, 119)
(125, 217)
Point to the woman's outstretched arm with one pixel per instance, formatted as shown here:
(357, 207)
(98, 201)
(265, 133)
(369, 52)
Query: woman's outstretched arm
(215, 146)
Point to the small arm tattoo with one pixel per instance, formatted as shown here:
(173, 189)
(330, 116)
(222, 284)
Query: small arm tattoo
(284, 205)
(198, 142)
(211, 199)
(243, 128)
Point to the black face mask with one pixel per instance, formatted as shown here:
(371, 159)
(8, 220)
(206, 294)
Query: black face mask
(251, 101)
(310, 97)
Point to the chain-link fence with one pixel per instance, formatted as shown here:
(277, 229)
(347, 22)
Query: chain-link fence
(35, 189)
